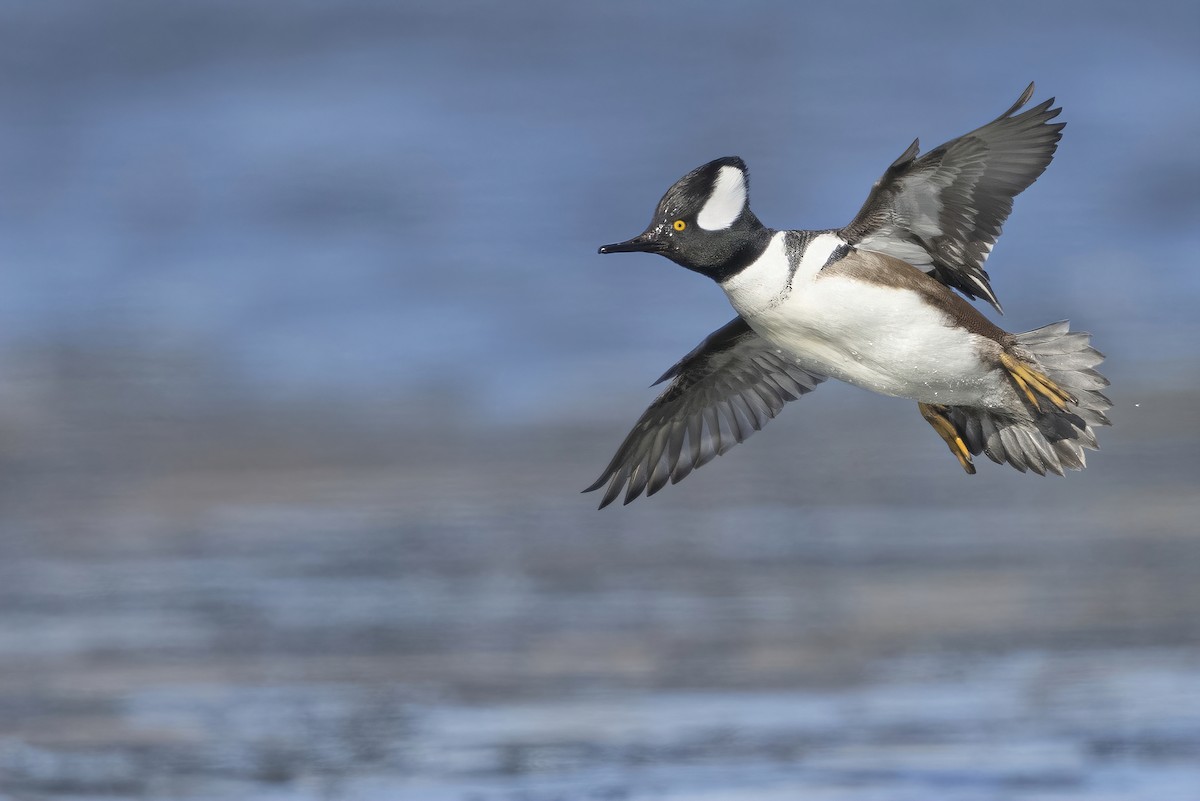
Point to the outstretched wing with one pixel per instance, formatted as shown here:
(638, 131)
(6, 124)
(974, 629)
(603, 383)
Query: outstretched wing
(942, 212)
(721, 393)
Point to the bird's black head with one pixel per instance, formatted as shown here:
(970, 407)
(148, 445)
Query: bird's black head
(704, 222)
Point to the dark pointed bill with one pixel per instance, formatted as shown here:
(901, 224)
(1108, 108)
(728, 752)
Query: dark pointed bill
(643, 243)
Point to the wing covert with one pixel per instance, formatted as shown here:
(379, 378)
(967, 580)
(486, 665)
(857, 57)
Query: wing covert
(727, 388)
(943, 212)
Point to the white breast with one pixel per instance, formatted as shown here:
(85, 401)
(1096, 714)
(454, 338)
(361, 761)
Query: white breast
(767, 282)
(762, 281)
(880, 337)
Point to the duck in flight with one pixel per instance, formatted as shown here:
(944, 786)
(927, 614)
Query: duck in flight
(872, 304)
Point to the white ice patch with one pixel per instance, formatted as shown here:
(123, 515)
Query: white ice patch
(726, 202)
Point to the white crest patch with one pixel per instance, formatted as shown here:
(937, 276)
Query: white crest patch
(725, 203)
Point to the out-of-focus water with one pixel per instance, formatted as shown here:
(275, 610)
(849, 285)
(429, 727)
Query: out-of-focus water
(306, 351)
(379, 197)
(277, 607)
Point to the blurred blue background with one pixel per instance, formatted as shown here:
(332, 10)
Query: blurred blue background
(306, 351)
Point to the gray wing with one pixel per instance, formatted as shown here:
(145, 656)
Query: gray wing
(721, 393)
(942, 212)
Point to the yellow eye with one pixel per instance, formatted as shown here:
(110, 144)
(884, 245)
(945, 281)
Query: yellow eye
(679, 225)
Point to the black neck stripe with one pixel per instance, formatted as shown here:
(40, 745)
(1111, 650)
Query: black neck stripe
(839, 253)
(747, 251)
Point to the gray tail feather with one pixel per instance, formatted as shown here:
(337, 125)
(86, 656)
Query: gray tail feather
(1052, 440)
